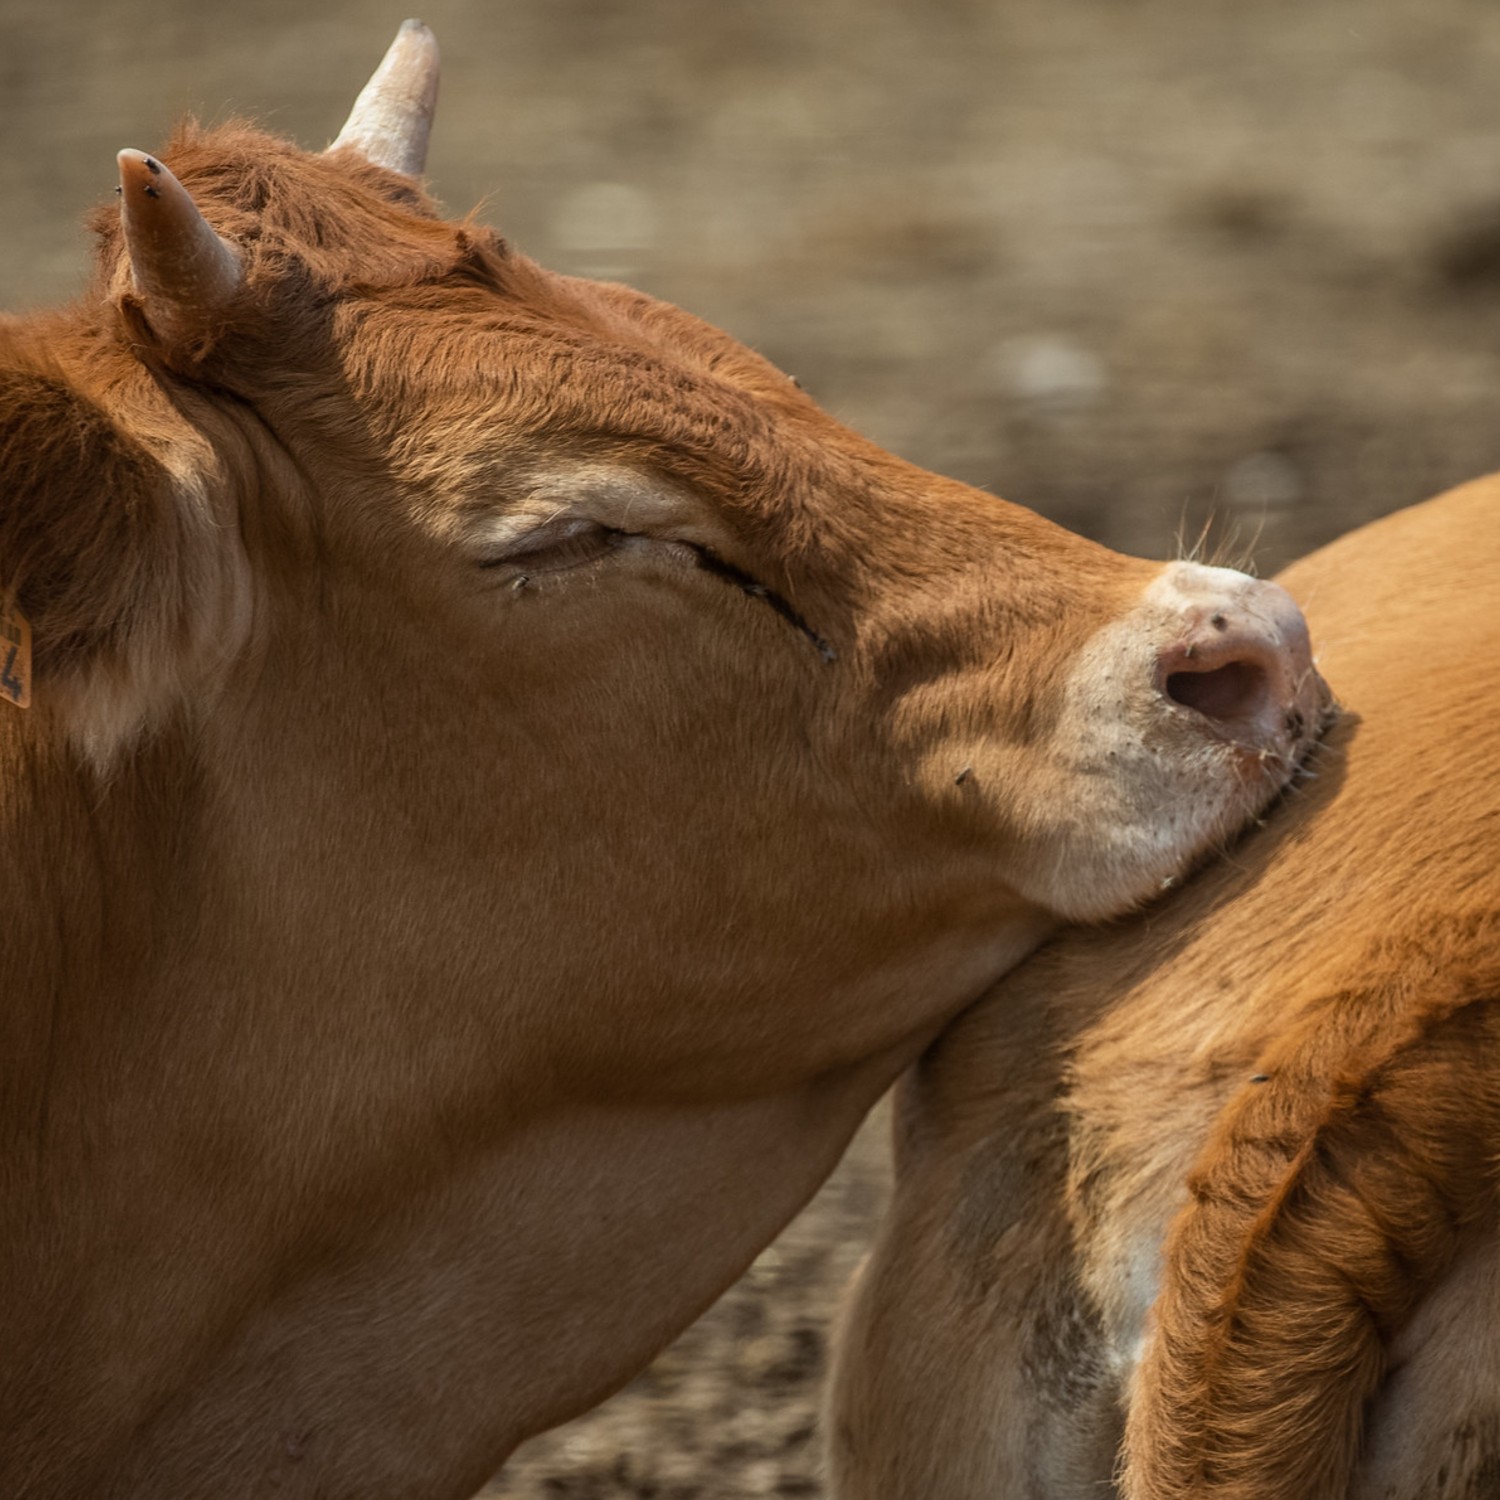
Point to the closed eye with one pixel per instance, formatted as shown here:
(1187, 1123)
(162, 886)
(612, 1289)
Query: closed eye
(573, 541)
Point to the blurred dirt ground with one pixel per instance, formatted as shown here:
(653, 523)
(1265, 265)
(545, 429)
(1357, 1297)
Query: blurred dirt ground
(1141, 264)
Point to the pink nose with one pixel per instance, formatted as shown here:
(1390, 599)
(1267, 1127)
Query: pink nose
(1241, 659)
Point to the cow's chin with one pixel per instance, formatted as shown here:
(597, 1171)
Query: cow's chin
(1100, 857)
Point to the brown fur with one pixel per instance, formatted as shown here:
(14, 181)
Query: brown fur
(431, 971)
(1329, 1202)
(1286, 1084)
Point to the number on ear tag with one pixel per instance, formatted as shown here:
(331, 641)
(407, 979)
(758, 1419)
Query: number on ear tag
(15, 655)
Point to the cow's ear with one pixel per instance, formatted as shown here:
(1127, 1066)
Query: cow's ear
(179, 280)
(112, 543)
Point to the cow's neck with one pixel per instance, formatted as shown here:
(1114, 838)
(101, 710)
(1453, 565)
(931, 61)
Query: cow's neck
(105, 881)
(524, 1285)
(347, 1175)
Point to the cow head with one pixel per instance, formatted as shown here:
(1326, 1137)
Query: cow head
(560, 643)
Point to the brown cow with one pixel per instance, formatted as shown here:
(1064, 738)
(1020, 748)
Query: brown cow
(507, 782)
(1225, 1180)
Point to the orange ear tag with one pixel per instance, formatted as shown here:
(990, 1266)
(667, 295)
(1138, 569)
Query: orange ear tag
(15, 655)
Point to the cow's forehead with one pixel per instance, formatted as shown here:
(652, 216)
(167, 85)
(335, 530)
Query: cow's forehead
(452, 324)
(541, 399)
(502, 380)
(579, 338)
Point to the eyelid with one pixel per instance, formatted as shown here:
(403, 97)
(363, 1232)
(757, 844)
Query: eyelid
(566, 539)
(519, 544)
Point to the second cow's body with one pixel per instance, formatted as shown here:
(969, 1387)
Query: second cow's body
(1221, 1183)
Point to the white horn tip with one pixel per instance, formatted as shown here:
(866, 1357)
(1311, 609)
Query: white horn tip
(392, 117)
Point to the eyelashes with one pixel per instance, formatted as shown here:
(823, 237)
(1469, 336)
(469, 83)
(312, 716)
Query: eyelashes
(573, 542)
(711, 562)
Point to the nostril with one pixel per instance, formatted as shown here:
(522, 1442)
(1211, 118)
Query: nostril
(1234, 690)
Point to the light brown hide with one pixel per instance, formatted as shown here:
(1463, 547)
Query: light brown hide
(510, 781)
(1277, 1099)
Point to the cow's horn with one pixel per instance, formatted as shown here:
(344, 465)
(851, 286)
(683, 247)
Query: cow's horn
(183, 273)
(392, 117)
